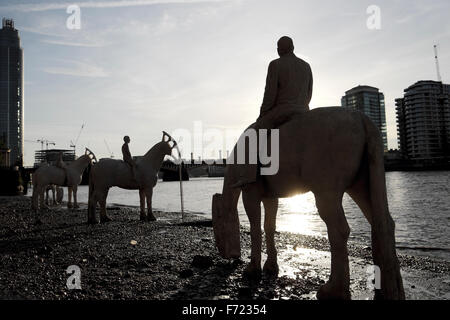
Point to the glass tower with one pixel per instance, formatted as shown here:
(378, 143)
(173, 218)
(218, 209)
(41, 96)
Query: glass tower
(11, 92)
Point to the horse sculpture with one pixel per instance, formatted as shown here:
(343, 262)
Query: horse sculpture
(71, 177)
(328, 151)
(108, 173)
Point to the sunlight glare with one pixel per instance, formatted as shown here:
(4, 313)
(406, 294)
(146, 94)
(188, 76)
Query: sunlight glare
(301, 215)
(301, 203)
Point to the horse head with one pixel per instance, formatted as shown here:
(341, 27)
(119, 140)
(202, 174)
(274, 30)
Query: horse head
(167, 147)
(90, 155)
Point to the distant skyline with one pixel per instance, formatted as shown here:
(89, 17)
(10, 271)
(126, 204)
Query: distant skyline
(137, 67)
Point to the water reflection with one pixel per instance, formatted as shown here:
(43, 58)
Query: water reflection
(299, 215)
(418, 201)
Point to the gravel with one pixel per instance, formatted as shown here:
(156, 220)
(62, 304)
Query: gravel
(166, 259)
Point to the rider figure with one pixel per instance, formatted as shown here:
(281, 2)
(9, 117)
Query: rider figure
(288, 92)
(127, 156)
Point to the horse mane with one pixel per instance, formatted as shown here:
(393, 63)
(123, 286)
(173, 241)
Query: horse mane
(153, 151)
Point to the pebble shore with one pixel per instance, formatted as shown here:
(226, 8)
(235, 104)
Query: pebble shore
(170, 259)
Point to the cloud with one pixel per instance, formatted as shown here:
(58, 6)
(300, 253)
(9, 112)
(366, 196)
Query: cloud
(76, 44)
(77, 69)
(419, 10)
(40, 30)
(98, 4)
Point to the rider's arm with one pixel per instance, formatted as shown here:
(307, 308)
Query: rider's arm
(270, 93)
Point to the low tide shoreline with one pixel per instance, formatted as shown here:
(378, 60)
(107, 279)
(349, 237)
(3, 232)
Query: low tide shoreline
(171, 259)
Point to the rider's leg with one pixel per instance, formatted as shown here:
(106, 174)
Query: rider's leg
(247, 170)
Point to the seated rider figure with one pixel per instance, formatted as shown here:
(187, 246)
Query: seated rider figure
(288, 91)
(127, 156)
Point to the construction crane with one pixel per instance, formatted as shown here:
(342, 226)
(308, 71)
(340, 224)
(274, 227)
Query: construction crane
(111, 155)
(49, 142)
(74, 144)
(437, 63)
(42, 141)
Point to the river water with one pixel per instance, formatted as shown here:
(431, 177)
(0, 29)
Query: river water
(419, 203)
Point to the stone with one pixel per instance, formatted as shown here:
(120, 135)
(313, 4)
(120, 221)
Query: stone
(186, 273)
(202, 262)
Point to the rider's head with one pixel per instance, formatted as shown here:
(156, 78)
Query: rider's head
(285, 45)
(126, 139)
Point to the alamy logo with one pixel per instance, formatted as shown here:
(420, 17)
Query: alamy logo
(252, 146)
(374, 20)
(74, 280)
(73, 22)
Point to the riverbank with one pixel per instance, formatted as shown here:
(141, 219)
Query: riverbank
(170, 259)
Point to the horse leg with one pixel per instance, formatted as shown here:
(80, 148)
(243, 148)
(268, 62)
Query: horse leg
(148, 195)
(142, 200)
(102, 201)
(330, 209)
(252, 205)
(383, 233)
(75, 201)
(92, 206)
(69, 202)
(41, 191)
(46, 196)
(270, 211)
(54, 195)
(34, 199)
(39, 200)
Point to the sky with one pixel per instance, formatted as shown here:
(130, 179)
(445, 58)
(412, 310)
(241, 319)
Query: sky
(138, 67)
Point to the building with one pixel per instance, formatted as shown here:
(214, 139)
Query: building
(423, 122)
(369, 101)
(51, 156)
(11, 92)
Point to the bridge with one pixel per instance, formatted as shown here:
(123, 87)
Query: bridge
(207, 168)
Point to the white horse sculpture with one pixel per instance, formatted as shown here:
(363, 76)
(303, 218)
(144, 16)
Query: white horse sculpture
(108, 173)
(70, 177)
(328, 151)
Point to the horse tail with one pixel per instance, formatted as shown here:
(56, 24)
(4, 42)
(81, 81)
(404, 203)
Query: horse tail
(225, 217)
(383, 226)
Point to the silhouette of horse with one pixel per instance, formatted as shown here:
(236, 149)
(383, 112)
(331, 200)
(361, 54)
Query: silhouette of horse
(70, 177)
(108, 173)
(328, 151)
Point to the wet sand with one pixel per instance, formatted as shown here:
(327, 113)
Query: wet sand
(170, 259)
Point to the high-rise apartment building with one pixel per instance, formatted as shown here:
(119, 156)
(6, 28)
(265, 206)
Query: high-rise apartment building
(423, 122)
(370, 101)
(11, 92)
